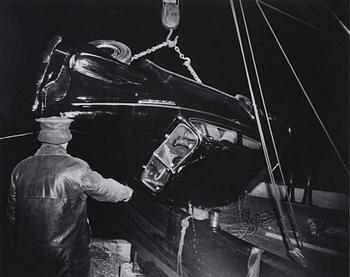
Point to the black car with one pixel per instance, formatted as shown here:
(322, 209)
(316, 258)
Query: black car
(181, 140)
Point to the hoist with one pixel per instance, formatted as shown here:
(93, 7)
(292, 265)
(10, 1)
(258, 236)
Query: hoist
(170, 16)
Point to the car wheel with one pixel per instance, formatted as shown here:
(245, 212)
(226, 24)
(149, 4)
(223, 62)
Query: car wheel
(117, 50)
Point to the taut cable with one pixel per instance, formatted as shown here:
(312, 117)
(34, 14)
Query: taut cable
(303, 89)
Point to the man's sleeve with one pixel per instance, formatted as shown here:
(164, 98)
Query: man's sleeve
(12, 202)
(101, 189)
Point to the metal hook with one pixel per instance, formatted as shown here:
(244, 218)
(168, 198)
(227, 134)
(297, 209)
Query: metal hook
(169, 35)
(171, 43)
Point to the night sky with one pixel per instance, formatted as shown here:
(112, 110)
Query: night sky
(318, 51)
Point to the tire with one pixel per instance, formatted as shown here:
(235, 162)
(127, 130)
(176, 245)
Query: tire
(117, 50)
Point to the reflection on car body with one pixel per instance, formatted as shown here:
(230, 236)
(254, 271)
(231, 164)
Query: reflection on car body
(180, 140)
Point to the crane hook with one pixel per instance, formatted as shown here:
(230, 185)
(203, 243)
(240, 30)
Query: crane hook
(170, 14)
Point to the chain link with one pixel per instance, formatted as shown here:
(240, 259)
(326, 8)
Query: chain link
(170, 44)
(187, 63)
(149, 51)
(194, 241)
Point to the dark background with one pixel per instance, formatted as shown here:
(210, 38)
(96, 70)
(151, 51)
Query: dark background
(319, 54)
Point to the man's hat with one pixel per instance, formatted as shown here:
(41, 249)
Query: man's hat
(54, 129)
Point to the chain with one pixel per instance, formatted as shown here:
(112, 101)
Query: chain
(187, 63)
(170, 44)
(149, 51)
(194, 240)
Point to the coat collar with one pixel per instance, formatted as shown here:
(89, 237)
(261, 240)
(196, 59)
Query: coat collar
(51, 149)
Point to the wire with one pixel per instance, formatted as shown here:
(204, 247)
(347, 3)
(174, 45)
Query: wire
(268, 121)
(307, 12)
(346, 29)
(303, 89)
(16, 136)
(294, 252)
(268, 162)
(289, 15)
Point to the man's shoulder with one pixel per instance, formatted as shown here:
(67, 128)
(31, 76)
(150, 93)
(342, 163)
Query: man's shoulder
(79, 161)
(23, 162)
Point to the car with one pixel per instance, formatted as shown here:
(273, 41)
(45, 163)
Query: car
(180, 140)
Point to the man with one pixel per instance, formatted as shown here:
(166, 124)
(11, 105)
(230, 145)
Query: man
(47, 205)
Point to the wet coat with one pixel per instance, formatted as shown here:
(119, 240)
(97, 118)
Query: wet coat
(47, 208)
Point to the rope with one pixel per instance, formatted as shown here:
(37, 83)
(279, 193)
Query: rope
(289, 15)
(293, 251)
(16, 136)
(268, 162)
(250, 226)
(269, 124)
(184, 224)
(346, 29)
(307, 11)
(302, 88)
